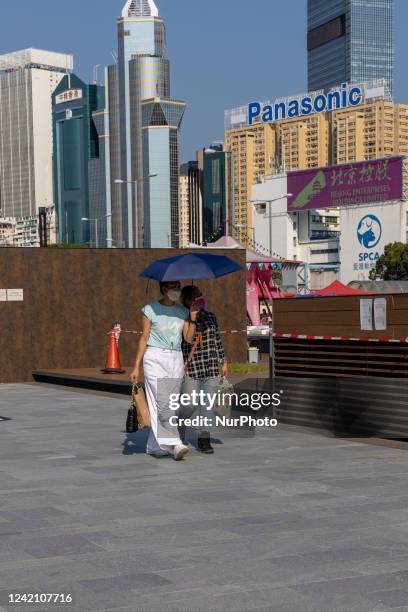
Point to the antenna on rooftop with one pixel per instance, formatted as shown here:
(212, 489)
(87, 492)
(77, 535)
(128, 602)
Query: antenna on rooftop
(95, 74)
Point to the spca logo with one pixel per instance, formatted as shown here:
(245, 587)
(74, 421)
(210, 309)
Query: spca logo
(369, 231)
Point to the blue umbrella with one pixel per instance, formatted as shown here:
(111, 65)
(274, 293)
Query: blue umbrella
(196, 266)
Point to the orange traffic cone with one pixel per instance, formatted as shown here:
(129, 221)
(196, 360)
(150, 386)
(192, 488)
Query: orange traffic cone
(112, 365)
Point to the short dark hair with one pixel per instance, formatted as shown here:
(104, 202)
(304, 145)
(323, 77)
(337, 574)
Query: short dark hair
(162, 285)
(189, 293)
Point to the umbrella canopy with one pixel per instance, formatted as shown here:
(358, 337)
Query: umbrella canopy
(191, 266)
(336, 288)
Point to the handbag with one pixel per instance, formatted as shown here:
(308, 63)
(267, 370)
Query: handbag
(131, 420)
(140, 406)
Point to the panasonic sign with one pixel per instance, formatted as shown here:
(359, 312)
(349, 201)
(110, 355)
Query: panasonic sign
(343, 97)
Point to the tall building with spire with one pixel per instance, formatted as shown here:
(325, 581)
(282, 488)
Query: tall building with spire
(143, 132)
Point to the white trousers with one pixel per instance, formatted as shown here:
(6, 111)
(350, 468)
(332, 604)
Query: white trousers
(163, 376)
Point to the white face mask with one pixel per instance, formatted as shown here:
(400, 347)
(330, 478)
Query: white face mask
(174, 294)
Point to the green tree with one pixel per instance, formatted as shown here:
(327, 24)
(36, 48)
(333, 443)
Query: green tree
(393, 265)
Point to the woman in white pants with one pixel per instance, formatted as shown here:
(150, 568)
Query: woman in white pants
(165, 324)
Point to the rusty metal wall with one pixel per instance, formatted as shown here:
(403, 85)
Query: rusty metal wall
(73, 297)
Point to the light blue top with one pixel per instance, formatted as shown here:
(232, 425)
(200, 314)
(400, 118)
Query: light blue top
(167, 325)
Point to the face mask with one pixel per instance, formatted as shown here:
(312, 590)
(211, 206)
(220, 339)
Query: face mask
(200, 302)
(174, 294)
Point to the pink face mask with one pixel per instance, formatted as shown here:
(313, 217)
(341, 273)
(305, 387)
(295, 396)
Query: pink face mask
(200, 302)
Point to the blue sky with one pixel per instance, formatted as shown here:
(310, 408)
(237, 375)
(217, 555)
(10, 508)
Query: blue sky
(223, 52)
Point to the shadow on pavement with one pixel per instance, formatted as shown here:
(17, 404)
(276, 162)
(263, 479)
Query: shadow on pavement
(135, 443)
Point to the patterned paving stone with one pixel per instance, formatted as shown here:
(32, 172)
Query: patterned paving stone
(285, 521)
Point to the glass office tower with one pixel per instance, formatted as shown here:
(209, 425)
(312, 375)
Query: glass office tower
(350, 41)
(216, 191)
(142, 73)
(161, 121)
(79, 165)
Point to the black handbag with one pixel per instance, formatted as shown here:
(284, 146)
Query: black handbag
(131, 422)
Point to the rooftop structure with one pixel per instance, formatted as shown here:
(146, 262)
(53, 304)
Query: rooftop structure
(36, 58)
(140, 8)
(238, 117)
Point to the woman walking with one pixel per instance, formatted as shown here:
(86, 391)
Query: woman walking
(165, 324)
(205, 363)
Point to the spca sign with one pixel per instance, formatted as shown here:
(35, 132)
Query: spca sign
(369, 233)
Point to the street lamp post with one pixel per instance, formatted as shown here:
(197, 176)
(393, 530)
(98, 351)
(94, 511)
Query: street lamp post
(109, 241)
(96, 229)
(270, 202)
(134, 182)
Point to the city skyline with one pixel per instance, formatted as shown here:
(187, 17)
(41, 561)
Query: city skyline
(242, 55)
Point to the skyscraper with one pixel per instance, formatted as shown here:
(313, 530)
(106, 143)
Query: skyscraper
(143, 132)
(190, 203)
(350, 41)
(27, 80)
(217, 198)
(79, 162)
(184, 210)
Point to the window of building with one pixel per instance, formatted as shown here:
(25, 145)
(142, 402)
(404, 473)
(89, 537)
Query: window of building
(324, 251)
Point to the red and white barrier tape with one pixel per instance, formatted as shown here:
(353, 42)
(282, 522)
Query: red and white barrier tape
(343, 338)
(227, 332)
(266, 333)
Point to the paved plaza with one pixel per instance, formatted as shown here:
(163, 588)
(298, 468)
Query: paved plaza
(285, 521)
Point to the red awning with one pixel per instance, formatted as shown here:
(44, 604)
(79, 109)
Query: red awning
(337, 289)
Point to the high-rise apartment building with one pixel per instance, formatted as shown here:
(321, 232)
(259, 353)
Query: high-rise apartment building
(348, 137)
(190, 215)
(303, 142)
(253, 155)
(79, 162)
(27, 81)
(376, 129)
(184, 210)
(143, 132)
(350, 41)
